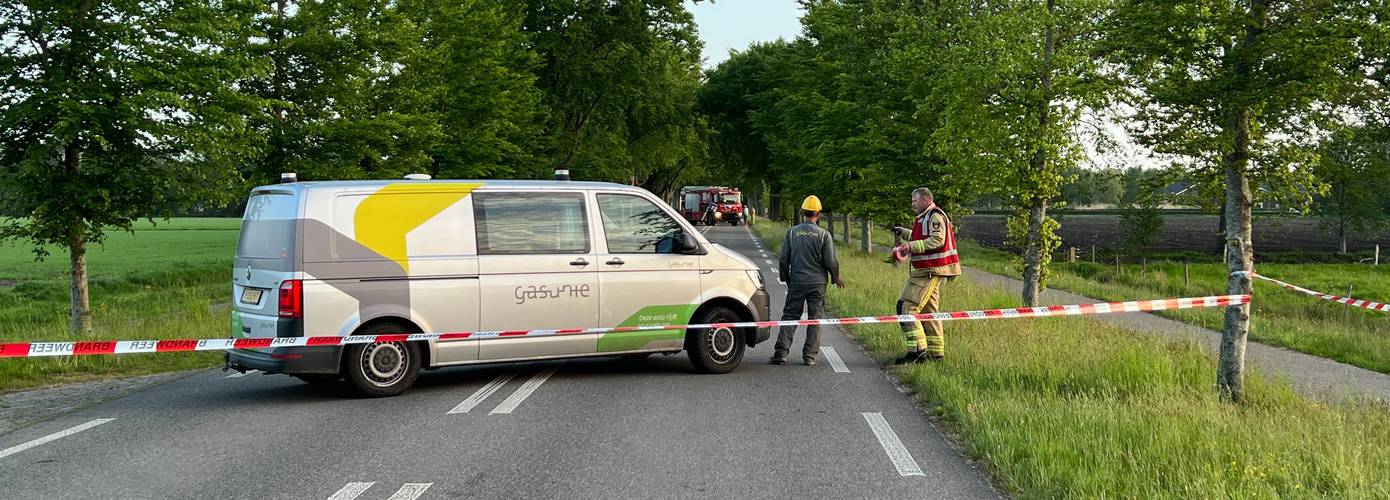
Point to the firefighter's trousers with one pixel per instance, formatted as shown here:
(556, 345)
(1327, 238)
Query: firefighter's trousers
(922, 294)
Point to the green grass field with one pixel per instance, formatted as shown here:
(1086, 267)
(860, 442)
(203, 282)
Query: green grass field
(169, 280)
(1075, 407)
(1279, 317)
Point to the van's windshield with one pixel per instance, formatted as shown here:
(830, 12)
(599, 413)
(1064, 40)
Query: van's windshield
(267, 228)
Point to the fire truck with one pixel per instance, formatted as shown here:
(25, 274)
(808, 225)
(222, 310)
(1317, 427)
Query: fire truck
(710, 205)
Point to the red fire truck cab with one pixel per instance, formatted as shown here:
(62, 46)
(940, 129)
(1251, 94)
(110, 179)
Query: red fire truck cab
(710, 205)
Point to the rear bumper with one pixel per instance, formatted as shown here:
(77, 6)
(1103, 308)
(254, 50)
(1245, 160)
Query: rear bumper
(288, 360)
(760, 305)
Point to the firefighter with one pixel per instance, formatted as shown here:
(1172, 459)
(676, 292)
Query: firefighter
(931, 246)
(807, 257)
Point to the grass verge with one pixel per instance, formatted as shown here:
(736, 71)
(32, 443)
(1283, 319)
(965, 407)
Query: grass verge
(1075, 407)
(170, 280)
(1279, 317)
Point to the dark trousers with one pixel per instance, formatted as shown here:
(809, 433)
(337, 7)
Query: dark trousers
(812, 299)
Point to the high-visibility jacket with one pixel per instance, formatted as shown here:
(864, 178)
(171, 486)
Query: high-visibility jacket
(933, 243)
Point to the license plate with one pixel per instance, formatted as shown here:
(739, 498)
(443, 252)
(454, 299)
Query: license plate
(250, 296)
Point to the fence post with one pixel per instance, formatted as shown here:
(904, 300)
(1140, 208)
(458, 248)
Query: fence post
(846, 226)
(1093, 254)
(1377, 261)
(830, 221)
(1117, 263)
(1186, 276)
(865, 242)
(1071, 255)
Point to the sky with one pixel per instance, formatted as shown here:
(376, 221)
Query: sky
(735, 24)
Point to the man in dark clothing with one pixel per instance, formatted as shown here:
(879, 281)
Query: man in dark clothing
(807, 257)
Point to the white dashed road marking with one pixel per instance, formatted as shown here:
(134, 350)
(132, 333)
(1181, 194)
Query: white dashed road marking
(411, 491)
(483, 393)
(897, 453)
(834, 359)
(53, 437)
(522, 393)
(351, 490)
(408, 491)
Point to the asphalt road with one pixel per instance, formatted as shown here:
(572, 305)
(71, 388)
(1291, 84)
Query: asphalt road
(646, 428)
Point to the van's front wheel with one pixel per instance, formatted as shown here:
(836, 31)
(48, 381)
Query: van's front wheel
(382, 369)
(715, 350)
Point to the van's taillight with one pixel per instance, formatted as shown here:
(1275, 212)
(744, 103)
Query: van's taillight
(292, 299)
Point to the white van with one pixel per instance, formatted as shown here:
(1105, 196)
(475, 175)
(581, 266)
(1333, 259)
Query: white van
(436, 256)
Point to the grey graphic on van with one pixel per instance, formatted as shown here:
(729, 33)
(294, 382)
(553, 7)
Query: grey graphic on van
(343, 263)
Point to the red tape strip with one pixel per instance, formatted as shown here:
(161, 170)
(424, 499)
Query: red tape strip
(14, 350)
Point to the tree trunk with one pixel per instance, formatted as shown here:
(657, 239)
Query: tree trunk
(1230, 371)
(81, 305)
(774, 204)
(1037, 211)
(81, 320)
(1032, 256)
(1342, 234)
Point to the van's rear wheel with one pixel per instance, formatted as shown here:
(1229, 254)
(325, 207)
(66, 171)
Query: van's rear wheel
(382, 369)
(715, 350)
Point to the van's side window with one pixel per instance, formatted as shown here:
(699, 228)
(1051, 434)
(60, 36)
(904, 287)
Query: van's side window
(632, 224)
(530, 223)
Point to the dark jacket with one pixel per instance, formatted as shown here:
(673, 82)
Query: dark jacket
(808, 255)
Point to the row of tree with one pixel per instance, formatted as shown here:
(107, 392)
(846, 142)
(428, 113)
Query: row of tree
(978, 98)
(115, 111)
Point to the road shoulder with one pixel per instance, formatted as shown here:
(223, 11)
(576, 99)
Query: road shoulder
(20, 409)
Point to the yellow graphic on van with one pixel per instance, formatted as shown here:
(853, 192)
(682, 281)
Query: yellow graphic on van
(383, 219)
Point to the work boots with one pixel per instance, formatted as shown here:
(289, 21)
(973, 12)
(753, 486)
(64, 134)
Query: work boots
(917, 357)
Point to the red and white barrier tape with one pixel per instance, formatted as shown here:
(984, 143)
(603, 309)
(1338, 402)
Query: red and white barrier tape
(42, 349)
(1364, 304)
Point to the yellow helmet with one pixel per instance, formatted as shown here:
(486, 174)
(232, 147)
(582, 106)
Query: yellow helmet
(812, 203)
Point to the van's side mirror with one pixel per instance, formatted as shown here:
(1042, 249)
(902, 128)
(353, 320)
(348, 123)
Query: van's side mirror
(686, 244)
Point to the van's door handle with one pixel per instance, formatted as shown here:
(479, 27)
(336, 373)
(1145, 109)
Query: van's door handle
(616, 262)
(580, 262)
